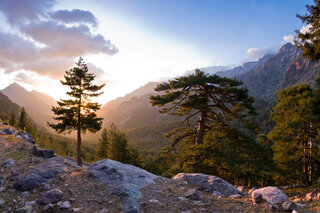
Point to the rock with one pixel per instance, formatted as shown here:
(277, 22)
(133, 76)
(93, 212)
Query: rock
(154, 201)
(77, 209)
(41, 173)
(1, 189)
(241, 188)
(272, 195)
(294, 211)
(251, 190)
(208, 183)
(1, 182)
(13, 176)
(287, 206)
(237, 196)
(104, 210)
(272, 207)
(310, 196)
(26, 136)
(300, 205)
(30, 203)
(182, 199)
(46, 154)
(52, 196)
(2, 202)
(25, 209)
(7, 163)
(256, 197)
(67, 211)
(64, 205)
(297, 200)
(25, 194)
(46, 187)
(123, 180)
(217, 194)
(8, 131)
(193, 194)
(48, 208)
(1, 177)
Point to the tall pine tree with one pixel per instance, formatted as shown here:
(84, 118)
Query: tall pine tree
(214, 100)
(79, 112)
(103, 145)
(22, 124)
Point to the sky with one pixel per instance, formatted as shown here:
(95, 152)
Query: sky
(128, 43)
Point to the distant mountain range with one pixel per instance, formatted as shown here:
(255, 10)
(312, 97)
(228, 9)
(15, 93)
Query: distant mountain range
(37, 105)
(143, 124)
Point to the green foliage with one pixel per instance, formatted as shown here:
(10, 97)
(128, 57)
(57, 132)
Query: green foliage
(294, 135)
(103, 145)
(222, 105)
(22, 119)
(309, 41)
(78, 113)
(13, 119)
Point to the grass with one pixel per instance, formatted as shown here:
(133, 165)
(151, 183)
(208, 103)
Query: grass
(16, 155)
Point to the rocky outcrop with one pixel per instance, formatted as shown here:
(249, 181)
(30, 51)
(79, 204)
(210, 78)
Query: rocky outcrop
(123, 180)
(270, 194)
(209, 183)
(41, 173)
(52, 196)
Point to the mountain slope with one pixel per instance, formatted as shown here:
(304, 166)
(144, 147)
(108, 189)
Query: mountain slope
(38, 105)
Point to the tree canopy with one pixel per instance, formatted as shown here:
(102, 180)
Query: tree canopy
(79, 112)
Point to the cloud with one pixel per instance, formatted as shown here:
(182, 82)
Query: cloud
(18, 12)
(47, 42)
(254, 54)
(75, 16)
(74, 41)
(289, 39)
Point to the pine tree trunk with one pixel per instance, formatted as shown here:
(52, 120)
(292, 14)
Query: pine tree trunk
(79, 147)
(201, 127)
(305, 162)
(310, 168)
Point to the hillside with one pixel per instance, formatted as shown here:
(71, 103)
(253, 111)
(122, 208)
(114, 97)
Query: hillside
(7, 106)
(37, 105)
(37, 180)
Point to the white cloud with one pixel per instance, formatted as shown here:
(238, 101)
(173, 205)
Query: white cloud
(254, 54)
(75, 16)
(289, 39)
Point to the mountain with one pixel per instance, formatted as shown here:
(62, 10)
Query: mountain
(285, 69)
(7, 107)
(246, 67)
(37, 105)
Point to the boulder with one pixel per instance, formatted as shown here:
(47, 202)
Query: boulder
(310, 196)
(7, 163)
(26, 136)
(272, 195)
(42, 173)
(42, 153)
(49, 208)
(123, 180)
(256, 197)
(25, 209)
(209, 183)
(52, 196)
(287, 206)
(194, 194)
(64, 205)
(237, 196)
(8, 131)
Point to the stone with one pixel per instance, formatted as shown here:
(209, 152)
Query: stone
(193, 194)
(241, 188)
(182, 199)
(297, 200)
(287, 206)
(64, 205)
(310, 196)
(300, 205)
(294, 211)
(7, 163)
(256, 197)
(1, 182)
(154, 201)
(25, 209)
(48, 208)
(104, 210)
(42, 173)
(46, 154)
(237, 196)
(272, 195)
(77, 209)
(52, 196)
(9, 131)
(2, 189)
(25, 135)
(46, 187)
(123, 180)
(13, 176)
(25, 194)
(208, 183)
(251, 190)
(217, 194)
(2, 202)
(1, 177)
(30, 203)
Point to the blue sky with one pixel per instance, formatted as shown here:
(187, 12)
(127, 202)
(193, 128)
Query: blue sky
(128, 43)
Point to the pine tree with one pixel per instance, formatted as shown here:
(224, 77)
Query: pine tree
(22, 120)
(309, 41)
(103, 145)
(215, 100)
(13, 119)
(293, 134)
(78, 113)
(119, 148)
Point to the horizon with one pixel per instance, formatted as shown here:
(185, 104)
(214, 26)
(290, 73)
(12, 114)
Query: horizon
(130, 43)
